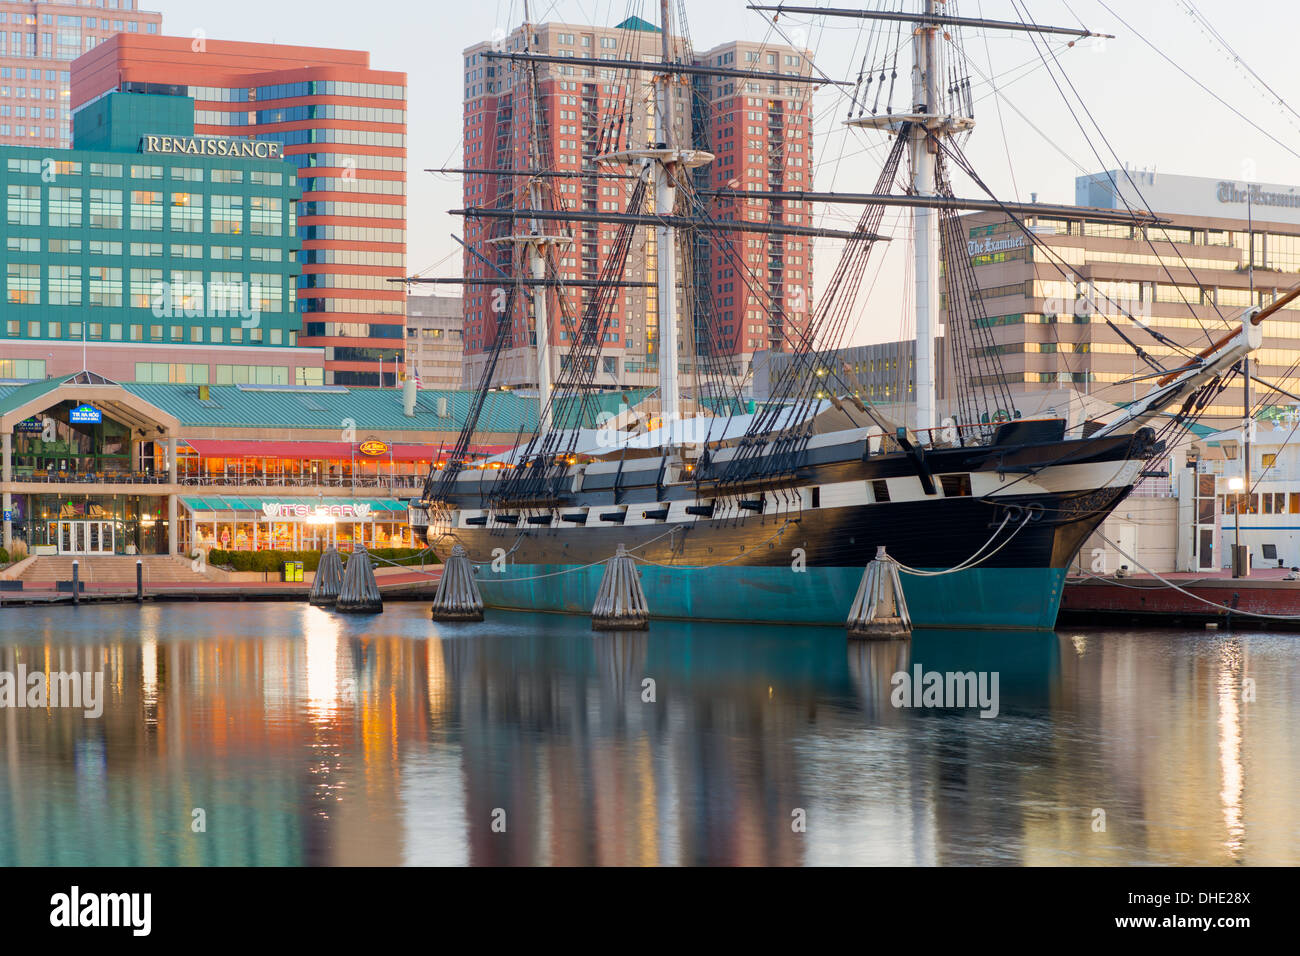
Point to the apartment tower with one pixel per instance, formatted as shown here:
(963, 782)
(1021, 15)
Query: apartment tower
(761, 135)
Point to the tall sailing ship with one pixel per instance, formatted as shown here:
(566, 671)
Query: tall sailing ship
(770, 513)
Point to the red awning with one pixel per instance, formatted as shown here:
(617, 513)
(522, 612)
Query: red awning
(322, 450)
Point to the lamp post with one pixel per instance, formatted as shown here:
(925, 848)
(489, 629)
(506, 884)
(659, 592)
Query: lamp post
(1236, 485)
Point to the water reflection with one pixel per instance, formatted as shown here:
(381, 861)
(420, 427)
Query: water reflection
(308, 737)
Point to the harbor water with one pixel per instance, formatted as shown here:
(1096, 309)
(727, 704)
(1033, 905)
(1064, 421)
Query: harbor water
(274, 733)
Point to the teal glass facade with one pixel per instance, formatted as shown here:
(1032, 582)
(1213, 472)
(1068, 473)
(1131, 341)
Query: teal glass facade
(107, 243)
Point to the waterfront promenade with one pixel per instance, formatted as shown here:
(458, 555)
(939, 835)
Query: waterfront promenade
(47, 581)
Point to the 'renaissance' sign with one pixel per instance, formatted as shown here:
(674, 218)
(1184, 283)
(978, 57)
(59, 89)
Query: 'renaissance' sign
(211, 146)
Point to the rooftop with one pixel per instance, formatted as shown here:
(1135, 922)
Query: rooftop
(334, 407)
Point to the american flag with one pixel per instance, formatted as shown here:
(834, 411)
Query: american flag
(418, 384)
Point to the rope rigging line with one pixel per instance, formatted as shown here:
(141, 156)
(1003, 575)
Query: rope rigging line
(1195, 597)
(1119, 195)
(1061, 266)
(1219, 99)
(787, 424)
(972, 561)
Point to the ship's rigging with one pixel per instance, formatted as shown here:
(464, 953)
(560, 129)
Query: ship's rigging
(534, 220)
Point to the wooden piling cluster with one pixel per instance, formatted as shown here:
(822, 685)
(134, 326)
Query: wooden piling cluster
(359, 594)
(328, 582)
(458, 597)
(620, 603)
(879, 611)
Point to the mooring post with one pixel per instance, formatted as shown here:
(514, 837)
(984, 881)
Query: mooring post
(879, 611)
(359, 594)
(620, 603)
(328, 581)
(76, 582)
(139, 581)
(458, 597)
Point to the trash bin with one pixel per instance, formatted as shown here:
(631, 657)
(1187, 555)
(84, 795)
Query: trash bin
(288, 572)
(297, 571)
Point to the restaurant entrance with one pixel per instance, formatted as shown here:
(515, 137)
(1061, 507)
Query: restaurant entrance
(83, 537)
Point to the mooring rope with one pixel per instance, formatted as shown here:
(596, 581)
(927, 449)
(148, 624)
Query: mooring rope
(429, 574)
(971, 562)
(1195, 597)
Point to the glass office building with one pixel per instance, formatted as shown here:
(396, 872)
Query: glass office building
(158, 255)
(343, 125)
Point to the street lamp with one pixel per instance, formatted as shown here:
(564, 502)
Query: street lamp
(1236, 486)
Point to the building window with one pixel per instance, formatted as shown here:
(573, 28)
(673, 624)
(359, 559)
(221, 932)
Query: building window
(105, 212)
(65, 207)
(65, 286)
(187, 212)
(227, 215)
(146, 284)
(105, 287)
(24, 285)
(146, 211)
(24, 205)
(265, 217)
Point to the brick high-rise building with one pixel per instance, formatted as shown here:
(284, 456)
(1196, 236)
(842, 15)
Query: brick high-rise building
(344, 125)
(38, 42)
(761, 134)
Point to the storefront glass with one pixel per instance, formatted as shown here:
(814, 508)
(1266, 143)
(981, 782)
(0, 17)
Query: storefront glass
(93, 524)
(240, 523)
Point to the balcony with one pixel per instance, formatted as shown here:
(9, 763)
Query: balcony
(73, 475)
(385, 482)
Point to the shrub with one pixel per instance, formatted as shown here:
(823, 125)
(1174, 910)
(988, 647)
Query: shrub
(274, 561)
(4, 556)
(19, 550)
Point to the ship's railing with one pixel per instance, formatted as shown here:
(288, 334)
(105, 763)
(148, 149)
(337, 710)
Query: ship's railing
(941, 437)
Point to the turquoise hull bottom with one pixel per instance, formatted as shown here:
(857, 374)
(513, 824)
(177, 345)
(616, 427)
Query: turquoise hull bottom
(981, 598)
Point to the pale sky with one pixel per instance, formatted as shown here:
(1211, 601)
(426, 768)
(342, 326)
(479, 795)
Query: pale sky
(1151, 115)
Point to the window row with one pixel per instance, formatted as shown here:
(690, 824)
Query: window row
(159, 332)
(361, 210)
(347, 137)
(353, 184)
(49, 169)
(97, 247)
(184, 290)
(185, 211)
(347, 161)
(335, 111)
(180, 373)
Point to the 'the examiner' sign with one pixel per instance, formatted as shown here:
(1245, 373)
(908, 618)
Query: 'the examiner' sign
(211, 146)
